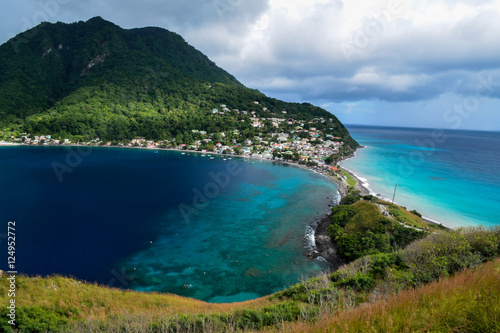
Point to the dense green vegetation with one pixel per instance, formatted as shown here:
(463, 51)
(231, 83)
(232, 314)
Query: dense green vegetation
(50, 61)
(360, 229)
(93, 79)
(111, 112)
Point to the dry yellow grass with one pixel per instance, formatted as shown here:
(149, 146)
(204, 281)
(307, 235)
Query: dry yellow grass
(97, 302)
(466, 302)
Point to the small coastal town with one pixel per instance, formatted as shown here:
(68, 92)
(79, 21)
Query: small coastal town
(276, 138)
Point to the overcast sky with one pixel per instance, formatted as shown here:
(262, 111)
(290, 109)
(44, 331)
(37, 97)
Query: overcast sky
(389, 62)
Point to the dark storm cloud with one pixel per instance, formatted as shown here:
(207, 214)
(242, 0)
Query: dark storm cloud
(175, 15)
(393, 51)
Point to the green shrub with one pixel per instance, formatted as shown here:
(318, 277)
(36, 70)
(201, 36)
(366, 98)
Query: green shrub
(350, 246)
(349, 199)
(335, 232)
(363, 273)
(416, 213)
(296, 292)
(359, 282)
(379, 263)
(397, 279)
(267, 316)
(385, 220)
(35, 319)
(484, 241)
(369, 198)
(342, 214)
(439, 255)
(250, 319)
(361, 265)
(402, 237)
(360, 229)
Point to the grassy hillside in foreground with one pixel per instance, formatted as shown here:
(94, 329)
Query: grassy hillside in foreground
(51, 302)
(466, 302)
(58, 304)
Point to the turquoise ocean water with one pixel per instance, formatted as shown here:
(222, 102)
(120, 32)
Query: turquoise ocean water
(449, 176)
(216, 229)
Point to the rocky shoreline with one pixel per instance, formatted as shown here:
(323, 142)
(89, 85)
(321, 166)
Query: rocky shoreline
(324, 246)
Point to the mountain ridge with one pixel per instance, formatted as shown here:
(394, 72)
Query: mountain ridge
(63, 42)
(94, 79)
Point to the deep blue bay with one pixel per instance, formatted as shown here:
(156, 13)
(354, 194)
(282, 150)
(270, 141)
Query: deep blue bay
(216, 229)
(451, 176)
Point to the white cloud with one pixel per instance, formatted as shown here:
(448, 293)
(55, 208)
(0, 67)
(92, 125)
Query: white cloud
(409, 43)
(327, 51)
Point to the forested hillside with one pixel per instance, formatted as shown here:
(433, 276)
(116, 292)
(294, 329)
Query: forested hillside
(94, 79)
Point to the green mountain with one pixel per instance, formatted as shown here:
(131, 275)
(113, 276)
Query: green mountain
(94, 79)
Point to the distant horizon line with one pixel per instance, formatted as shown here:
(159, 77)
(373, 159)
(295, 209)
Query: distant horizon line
(423, 128)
